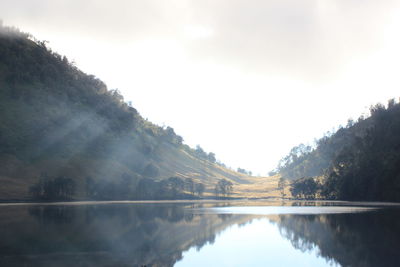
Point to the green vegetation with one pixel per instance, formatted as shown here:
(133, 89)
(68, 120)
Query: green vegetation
(358, 162)
(306, 188)
(223, 188)
(281, 187)
(146, 188)
(60, 188)
(55, 119)
(201, 154)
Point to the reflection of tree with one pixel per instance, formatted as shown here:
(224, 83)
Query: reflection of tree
(224, 217)
(53, 214)
(111, 235)
(363, 239)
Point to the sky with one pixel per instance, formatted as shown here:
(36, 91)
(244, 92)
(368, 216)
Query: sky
(245, 79)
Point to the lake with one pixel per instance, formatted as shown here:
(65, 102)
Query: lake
(234, 233)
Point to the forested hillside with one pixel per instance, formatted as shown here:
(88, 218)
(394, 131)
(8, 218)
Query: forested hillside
(304, 160)
(358, 162)
(64, 134)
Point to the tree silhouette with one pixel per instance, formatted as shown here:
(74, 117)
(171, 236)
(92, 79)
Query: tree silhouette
(199, 188)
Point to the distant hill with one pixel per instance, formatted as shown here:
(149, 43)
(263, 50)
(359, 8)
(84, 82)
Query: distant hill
(358, 162)
(58, 122)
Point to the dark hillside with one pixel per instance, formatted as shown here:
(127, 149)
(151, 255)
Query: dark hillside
(358, 162)
(305, 161)
(56, 121)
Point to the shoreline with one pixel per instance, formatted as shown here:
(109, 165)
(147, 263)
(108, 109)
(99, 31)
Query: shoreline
(182, 201)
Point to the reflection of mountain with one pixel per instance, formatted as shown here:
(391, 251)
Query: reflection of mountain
(105, 235)
(361, 239)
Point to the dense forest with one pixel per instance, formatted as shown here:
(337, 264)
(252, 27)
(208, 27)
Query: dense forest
(64, 134)
(358, 162)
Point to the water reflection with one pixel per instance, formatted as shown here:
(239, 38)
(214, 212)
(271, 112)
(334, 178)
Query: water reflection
(159, 234)
(104, 235)
(364, 239)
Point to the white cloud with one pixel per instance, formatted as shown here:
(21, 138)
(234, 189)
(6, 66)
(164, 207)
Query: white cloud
(245, 79)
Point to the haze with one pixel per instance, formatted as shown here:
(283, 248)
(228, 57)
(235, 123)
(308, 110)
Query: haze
(246, 80)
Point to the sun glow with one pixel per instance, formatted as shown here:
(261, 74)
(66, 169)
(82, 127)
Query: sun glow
(246, 83)
(198, 31)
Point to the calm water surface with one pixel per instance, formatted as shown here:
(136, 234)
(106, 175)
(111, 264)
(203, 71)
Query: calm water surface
(200, 234)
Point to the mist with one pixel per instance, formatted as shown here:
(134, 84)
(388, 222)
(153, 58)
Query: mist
(266, 62)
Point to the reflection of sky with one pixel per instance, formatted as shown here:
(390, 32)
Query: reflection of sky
(255, 244)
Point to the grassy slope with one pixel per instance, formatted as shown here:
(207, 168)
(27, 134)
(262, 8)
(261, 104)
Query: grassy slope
(175, 163)
(260, 187)
(179, 163)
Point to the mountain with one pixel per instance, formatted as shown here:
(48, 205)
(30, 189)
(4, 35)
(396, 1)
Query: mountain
(358, 162)
(64, 133)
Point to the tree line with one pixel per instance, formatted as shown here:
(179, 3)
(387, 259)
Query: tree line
(244, 171)
(126, 188)
(223, 188)
(60, 188)
(364, 160)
